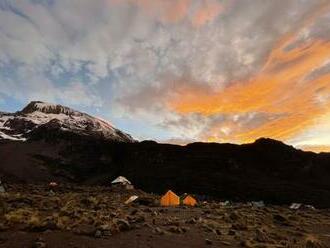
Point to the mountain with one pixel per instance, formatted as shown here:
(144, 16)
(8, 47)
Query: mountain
(40, 117)
(61, 149)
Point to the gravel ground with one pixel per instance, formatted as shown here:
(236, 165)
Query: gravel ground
(32, 216)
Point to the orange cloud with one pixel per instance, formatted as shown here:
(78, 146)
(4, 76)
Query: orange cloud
(175, 11)
(316, 148)
(164, 10)
(282, 88)
(206, 13)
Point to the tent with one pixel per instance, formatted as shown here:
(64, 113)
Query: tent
(121, 180)
(225, 203)
(295, 206)
(170, 199)
(122, 183)
(311, 207)
(53, 184)
(258, 204)
(189, 200)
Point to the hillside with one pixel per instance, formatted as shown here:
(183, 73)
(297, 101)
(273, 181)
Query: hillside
(266, 170)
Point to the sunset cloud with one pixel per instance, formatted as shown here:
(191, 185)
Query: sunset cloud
(316, 148)
(197, 13)
(282, 88)
(206, 12)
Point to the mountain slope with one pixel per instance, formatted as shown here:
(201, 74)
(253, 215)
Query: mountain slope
(40, 116)
(266, 170)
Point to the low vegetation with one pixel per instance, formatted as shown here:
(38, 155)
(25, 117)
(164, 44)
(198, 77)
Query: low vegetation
(99, 213)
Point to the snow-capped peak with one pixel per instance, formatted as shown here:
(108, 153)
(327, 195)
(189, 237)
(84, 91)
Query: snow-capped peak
(38, 116)
(49, 108)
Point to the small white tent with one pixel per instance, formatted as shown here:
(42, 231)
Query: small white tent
(121, 180)
(295, 206)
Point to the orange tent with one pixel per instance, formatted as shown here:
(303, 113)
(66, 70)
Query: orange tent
(189, 200)
(170, 199)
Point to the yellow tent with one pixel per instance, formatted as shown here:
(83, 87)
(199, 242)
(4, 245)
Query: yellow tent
(170, 199)
(189, 200)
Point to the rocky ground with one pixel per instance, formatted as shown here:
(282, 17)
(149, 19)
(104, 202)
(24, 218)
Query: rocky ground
(32, 216)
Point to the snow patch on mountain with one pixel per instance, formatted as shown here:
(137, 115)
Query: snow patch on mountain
(13, 137)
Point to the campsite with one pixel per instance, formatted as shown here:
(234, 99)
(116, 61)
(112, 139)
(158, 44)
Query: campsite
(164, 123)
(107, 216)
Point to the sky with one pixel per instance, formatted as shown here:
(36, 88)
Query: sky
(175, 71)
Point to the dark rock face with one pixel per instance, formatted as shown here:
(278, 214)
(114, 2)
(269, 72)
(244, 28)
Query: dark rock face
(19, 125)
(248, 172)
(265, 170)
(48, 109)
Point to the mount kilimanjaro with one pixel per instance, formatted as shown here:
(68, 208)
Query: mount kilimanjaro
(48, 142)
(39, 116)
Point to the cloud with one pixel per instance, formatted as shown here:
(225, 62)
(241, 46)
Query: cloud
(280, 88)
(206, 13)
(193, 69)
(197, 13)
(315, 148)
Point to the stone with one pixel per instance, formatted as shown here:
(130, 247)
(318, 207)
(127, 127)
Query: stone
(122, 224)
(147, 225)
(50, 224)
(234, 216)
(313, 244)
(3, 208)
(139, 219)
(98, 234)
(154, 213)
(261, 236)
(206, 211)
(239, 227)
(207, 228)
(107, 233)
(105, 227)
(85, 229)
(246, 243)
(280, 219)
(226, 243)
(175, 229)
(147, 210)
(133, 212)
(113, 214)
(3, 227)
(146, 201)
(159, 231)
(39, 243)
(191, 221)
(208, 242)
